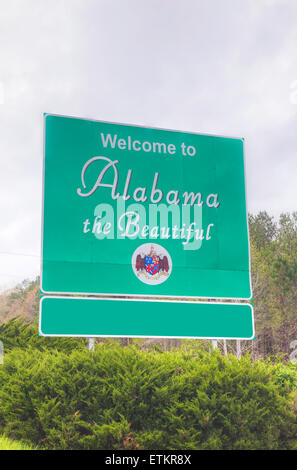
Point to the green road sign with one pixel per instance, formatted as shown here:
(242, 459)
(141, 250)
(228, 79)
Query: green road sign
(70, 316)
(142, 211)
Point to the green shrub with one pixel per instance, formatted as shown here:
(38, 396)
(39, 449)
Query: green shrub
(8, 444)
(124, 398)
(18, 334)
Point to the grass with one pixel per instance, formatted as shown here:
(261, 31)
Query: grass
(8, 444)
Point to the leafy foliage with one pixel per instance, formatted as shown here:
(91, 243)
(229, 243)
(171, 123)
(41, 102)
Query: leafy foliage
(125, 398)
(18, 334)
(23, 301)
(8, 444)
(55, 394)
(274, 270)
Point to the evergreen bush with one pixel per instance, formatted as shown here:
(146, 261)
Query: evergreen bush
(125, 398)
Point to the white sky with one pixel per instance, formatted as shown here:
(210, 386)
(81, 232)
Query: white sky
(223, 67)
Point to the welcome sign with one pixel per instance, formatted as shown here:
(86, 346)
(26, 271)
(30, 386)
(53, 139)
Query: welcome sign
(131, 210)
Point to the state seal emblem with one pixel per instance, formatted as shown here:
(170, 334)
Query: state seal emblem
(151, 263)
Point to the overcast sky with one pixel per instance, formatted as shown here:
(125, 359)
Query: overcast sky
(227, 67)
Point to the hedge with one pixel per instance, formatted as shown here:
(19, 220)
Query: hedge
(8, 444)
(125, 398)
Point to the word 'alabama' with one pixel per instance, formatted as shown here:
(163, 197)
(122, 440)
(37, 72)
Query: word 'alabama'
(140, 193)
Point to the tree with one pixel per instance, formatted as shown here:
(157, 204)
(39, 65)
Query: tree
(263, 229)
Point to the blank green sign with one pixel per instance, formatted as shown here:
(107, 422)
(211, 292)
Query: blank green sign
(108, 317)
